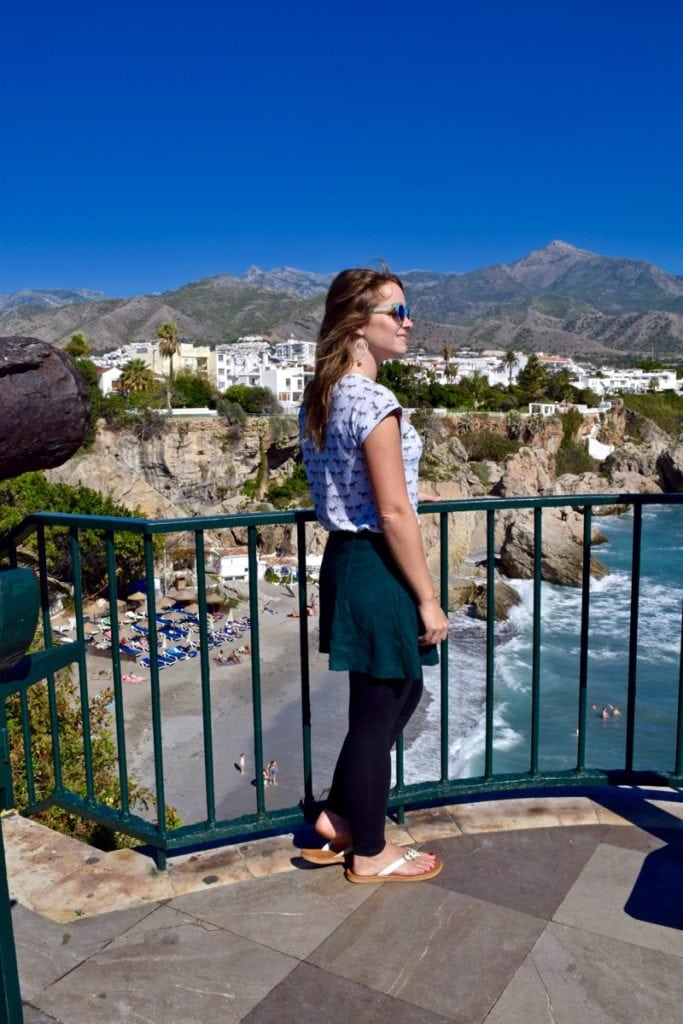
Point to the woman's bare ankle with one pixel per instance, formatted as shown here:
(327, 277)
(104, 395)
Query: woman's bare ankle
(334, 828)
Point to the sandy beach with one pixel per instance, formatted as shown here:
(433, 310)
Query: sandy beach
(232, 718)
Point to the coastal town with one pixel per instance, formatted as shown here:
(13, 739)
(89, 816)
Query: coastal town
(285, 368)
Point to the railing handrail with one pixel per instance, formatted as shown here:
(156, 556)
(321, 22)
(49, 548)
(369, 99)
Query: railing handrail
(135, 524)
(403, 795)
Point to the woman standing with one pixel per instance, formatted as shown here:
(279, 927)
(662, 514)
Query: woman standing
(379, 618)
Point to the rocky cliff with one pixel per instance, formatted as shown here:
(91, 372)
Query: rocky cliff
(199, 467)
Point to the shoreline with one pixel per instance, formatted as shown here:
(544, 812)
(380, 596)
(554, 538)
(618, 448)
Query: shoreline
(232, 727)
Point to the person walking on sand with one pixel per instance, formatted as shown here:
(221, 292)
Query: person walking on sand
(272, 773)
(379, 618)
(242, 764)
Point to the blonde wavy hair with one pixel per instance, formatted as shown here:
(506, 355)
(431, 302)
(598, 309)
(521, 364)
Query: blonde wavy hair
(347, 310)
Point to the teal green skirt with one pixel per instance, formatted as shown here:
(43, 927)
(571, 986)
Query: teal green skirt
(369, 620)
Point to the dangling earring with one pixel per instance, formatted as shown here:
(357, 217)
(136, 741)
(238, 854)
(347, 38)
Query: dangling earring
(360, 350)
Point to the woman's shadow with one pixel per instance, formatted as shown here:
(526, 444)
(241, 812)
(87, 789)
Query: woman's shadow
(657, 894)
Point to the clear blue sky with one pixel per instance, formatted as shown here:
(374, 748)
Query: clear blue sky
(148, 144)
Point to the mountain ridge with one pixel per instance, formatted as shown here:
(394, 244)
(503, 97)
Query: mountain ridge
(558, 298)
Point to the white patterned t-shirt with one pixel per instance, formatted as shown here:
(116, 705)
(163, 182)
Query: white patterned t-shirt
(337, 474)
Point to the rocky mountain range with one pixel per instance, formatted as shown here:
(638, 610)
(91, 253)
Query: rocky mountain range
(558, 299)
(48, 298)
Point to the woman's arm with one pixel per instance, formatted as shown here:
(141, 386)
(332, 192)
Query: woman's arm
(384, 461)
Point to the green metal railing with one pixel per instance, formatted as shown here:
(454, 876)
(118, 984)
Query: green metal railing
(153, 831)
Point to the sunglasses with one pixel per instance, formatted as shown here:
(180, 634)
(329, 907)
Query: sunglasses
(395, 309)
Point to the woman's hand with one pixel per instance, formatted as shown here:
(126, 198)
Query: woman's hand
(434, 621)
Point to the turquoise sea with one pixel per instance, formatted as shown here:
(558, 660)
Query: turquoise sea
(659, 645)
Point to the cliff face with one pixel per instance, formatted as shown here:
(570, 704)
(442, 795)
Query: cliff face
(198, 467)
(190, 467)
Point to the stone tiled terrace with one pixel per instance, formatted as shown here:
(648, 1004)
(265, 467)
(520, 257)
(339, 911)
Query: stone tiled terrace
(549, 910)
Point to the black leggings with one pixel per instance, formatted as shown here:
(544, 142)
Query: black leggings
(379, 709)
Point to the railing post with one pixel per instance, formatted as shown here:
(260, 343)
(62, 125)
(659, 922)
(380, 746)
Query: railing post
(583, 651)
(633, 637)
(443, 583)
(10, 994)
(536, 642)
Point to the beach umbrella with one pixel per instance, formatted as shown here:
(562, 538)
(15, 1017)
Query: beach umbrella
(174, 616)
(137, 596)
(214, 598)
(194, 607)
(90, 627)
(92, 608)
(60, 619)
(165, 602)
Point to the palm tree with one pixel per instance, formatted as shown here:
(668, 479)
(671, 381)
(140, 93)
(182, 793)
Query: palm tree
(450, 371)
(136, 376)
(510, 360)
(169, 344)
(478, 387)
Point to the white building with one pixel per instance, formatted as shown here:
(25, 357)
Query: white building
(108, 379)
(195, 358)
(632, 381)
(287, 384)
(241, 363)
(293, 351)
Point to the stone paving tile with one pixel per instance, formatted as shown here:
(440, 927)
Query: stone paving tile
(46, 950)
(192, 872)
(268, 856)
(427, 946)
(292, 913)
(311, 996)
(630, 897)
(529, 870)
(575, 977)
(168, 970)
(64, 879)
(32, 1016)
(430, 823)
(522, 812)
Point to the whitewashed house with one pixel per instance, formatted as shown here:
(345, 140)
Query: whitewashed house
(108, 379)
(294, 351)
(241, 363)
(287, 384)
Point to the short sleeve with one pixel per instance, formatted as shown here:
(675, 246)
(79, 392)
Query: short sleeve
(372, 404)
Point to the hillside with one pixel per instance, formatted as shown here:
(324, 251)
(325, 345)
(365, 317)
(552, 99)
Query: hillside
(558, 299)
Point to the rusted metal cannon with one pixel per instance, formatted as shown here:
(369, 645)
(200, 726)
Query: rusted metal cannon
(44, 406)
(44, 412)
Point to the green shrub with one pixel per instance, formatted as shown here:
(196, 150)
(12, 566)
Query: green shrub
(293, 490)
(250, 488)
(514, 424)
(534, 424)
(572, 422)
(481, 471)
(665, 409)
(485, 446)
(573, 458)
(104, 761)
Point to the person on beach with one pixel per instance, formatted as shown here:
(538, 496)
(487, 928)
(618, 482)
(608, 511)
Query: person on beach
(272, 773)
(242, 764)
(379, 618)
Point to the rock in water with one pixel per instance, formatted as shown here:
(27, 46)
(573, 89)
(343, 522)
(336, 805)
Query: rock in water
(561, 553)
(44, 406)
(670, 466)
